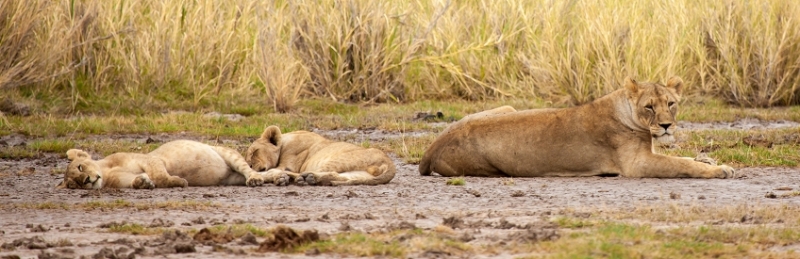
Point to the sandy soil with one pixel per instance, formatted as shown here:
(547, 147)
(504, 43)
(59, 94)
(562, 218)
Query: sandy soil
(485, 210)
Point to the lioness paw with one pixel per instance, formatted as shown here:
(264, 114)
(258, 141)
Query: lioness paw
(703, 158)
(255, 180)
(283, 180)
(143, 182)
(309, 178)
(727, 172)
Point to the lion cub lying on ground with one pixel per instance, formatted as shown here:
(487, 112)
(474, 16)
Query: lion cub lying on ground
(611, 136)
(305, 157)
(179, 163)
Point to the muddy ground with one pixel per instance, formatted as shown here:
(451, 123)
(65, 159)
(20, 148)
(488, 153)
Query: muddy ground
(484, 211)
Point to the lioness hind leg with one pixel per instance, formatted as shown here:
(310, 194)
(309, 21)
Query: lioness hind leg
(176, 181)
(143, 182)
(318, 178)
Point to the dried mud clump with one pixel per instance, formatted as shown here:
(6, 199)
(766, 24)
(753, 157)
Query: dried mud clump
(120, 253)
(284, 237)
(172, 242)
(161, 223)
(542, 231)
(207, 237)
(453, 222)
(36, 242)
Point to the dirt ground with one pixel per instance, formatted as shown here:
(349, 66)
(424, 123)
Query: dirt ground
(484, 211)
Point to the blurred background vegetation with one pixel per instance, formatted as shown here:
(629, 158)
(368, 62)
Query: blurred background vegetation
(123, 57)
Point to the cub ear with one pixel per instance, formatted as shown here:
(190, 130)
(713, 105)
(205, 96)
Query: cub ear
(72, 154)
(676, 84)
(631, 85)
(272, 134)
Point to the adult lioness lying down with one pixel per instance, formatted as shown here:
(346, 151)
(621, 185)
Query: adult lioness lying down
(612, 135)
(178, 163)
(305, 157)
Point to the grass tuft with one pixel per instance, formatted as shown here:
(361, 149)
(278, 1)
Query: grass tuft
(457, 181)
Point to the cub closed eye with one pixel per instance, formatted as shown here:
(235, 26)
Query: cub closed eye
(80, 168)
(649, 107)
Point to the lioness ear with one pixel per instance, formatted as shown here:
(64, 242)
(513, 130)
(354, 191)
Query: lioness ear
(631, 85)
(272, 134)
(676, 84)
(72, 154)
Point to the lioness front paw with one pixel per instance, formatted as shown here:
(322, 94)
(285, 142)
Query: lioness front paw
(310, 178)
(283, 180)
(703, 158)
(143, 182)
(255, 180)
(727, 172)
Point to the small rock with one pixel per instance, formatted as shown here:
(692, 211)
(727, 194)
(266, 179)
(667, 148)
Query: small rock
(517, 193)
(674, 196)
(771, 195)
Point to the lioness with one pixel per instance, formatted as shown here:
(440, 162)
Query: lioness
(612, 135)
(308, 158)
(178, 163)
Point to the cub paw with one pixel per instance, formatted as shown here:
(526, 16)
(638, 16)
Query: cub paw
(143, 182)
(255, 180)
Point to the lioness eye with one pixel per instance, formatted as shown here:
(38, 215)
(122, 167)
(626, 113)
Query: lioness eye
(80, 168)
(671, 103)
(649, 107)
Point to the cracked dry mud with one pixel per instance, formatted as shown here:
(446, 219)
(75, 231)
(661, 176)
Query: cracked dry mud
(502, 210)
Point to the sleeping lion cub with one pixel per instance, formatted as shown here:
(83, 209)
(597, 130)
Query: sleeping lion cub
(178, 163)
(305, 157)
(612, 135)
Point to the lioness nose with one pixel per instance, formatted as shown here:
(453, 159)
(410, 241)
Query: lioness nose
(665, 125)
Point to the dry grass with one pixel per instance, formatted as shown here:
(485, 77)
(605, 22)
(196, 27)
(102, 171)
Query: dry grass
(96, 56)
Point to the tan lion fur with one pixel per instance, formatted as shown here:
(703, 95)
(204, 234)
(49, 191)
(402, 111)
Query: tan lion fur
(305, 157)
(612, 135)
(178, 163)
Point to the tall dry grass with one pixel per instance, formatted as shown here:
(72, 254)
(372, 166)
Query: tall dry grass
(747, 52)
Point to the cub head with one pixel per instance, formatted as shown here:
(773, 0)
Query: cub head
(82, 172)
(263, 154)
(655, 106)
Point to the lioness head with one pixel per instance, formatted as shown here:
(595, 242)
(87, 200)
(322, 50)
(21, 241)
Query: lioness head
(264, 152)
(655, 106)
(82, 172)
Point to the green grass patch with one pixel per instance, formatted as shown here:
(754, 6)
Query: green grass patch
(569, 222)
(134, 229)
(394, 244)
(239, 230)
(626, 240)
(457, 181)
(118, 204)
(779, 147)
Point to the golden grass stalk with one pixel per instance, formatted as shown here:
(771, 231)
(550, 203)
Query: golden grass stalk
(567, 52)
